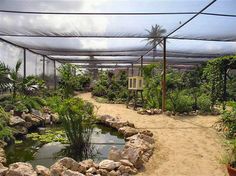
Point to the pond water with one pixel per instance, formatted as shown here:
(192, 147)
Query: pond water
(38, 153)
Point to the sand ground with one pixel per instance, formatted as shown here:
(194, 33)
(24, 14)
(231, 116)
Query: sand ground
(185, 146)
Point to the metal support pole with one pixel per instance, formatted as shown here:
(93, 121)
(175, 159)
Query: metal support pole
(141, 65)
(164, 77)
(43, 68)
(55, 75)
(24, 63)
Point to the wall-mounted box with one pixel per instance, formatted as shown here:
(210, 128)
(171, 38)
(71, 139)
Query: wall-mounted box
(135, 83)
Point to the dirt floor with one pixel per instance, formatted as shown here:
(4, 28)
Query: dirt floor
(185, 146)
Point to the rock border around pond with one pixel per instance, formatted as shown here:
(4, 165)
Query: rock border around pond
(138, 149)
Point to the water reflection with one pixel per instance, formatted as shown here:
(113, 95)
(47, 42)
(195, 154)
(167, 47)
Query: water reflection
(101, 139)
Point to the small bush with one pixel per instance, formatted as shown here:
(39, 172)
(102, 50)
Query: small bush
(229, 120)
(5, 131)
(179, 102)
(204, 103)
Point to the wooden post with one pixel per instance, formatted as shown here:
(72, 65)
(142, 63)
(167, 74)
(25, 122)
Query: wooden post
(43, 68)
(164, 77)
(24, 63)
(141, 65)
(55, 75)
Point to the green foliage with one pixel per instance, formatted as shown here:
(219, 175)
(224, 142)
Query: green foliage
(83, 81)
(50, 136)
(179, 101)
(68, 80)
(4, 78)
(228, 118)
(77, 119)
(23, 103)
(5, 132)
(31, 85)
(216, 74)
(111, 87)
(230, 158)
(53, 102)
(204, 103)
(152, 86)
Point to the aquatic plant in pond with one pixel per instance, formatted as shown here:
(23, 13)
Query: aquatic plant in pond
(49, 135)
(77, 119)
(46, 153)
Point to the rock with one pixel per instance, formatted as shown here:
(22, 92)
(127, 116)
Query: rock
(103, 172)
(128, 131)
(133, 155)
(3, 170)
(91, 170)
(55, 117)
(168, 113)
(71, 173)
(42, 171)
(126, 163)
(113, 173)
(35, 120)
(47, 118)
(87, 164)
(114, 154)
(67, 163)
(2, 156)
(16, 120)
(136, 138)
(20, 130)
(114, 122)
(28, 125)
(2, 144)
(36, 112)
(21, 169)
(126, 169)
(147, 132)
(46, 109)
(157, 111)
(109, 165)
(56, 169)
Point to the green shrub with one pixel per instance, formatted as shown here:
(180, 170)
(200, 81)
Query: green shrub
(5, 132)
(204, 103)
(99, 90)
(228, 118)
(179, 101)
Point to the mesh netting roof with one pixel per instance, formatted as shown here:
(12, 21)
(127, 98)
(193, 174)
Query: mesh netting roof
(115, 31)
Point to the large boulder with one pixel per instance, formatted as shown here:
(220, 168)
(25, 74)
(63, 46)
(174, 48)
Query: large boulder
(33, 119)
(42, 171)
(114, 122)
(16, 120)
(109, 165)
(21, 169)
(64, 164)
(128, 131)
(134, 155)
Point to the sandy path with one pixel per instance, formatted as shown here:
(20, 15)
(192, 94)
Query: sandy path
(184, 146)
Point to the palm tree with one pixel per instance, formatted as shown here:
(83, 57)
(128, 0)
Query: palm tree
(15, 78)
(4, 76)
(155, 37)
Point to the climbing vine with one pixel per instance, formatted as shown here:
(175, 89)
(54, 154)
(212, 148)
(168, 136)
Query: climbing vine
(216, 72)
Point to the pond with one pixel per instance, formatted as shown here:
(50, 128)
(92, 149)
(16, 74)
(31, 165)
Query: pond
(41, 153)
